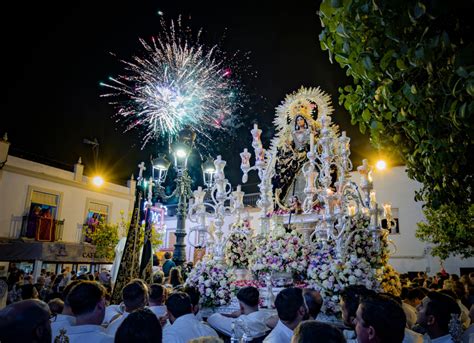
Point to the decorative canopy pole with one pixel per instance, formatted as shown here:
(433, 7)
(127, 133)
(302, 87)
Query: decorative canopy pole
(129, 267)
(265, 174)
(221, 191)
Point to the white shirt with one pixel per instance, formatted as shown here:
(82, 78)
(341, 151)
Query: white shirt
(111, 312)
(280, 334)
(185, 328)
(254, 321)
(443, 339)
(62, 321)
(88, 333)
(412, 337)
(158, 310)
(114, 325)
(410, 313)
(468, 335)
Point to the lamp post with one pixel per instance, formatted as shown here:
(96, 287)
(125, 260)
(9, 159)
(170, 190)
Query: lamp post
(181, 149)
(220, 191)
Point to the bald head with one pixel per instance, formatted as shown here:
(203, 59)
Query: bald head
(25, 321)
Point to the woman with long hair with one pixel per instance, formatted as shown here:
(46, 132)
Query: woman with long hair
(175, 278)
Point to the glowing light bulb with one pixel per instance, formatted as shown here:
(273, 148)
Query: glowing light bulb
(98, 181)
(381, 165)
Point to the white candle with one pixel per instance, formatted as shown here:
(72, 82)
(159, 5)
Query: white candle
(387, 210)
(372, 198)
(239, 188)
(311, 142)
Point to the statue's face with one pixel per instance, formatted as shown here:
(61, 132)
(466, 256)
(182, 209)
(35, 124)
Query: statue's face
(300, 122)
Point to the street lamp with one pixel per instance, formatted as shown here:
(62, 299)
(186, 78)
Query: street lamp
(208, 172)
(181, 149)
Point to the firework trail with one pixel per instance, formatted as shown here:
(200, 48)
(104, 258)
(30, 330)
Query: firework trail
(176, 83)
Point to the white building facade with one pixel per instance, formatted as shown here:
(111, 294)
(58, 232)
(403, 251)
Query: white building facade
(71, 199)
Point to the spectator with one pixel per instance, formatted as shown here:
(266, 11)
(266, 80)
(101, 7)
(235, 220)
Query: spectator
(248, 315)
(410, 336)
(56, 306)
(66, 317)
(380, 319)
(349, 301)
(175, 279)
(314, 302)
(412, 300)
(29, 291)
(159, 277)
(184, 326)
(135, 296)
(156, 301)
(25, 321)
(40, 287)
(140, 326)
(435, 314)
(87, 301)
(291, 310)
(168, 264)
(194, 296)
(311, 331)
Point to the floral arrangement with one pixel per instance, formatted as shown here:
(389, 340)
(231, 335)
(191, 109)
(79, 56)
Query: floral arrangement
(330, 274)
(361, 243)
(106, 236)
(239, 247)
(246, 283)
(214, 282)
(391, 280)
(281, 252)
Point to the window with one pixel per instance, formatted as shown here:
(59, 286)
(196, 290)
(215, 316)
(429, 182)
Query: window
(97, 210)
(43, 207)
(43, 201)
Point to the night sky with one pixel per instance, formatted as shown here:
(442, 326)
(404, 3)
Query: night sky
(55, 55)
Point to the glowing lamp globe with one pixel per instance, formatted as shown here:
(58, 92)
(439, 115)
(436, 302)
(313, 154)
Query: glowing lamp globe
(98, 181)
(381, 165)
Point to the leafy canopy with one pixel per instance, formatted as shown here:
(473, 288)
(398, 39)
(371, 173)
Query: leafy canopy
(412, 66)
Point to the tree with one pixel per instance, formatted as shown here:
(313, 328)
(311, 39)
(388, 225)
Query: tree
(413, 86)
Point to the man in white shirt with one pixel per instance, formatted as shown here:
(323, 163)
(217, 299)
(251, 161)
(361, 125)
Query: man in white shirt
(291, 310)
(434, 315)
(134, 296)
(184, 325)
(249, 316)
(380, 319)
(156, 306)
(412, 300)
(87, 301)
(66, 318)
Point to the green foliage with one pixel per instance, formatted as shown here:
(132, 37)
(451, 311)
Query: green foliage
(412, 66)
(105, 238)
(449, 230)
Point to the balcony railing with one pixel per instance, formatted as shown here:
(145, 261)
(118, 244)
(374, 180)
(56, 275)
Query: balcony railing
(42, 229)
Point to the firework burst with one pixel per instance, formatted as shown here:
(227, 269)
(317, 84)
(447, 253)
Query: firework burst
(177, 82)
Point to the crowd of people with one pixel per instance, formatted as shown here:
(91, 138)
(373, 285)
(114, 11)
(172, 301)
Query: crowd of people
(435, 309)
